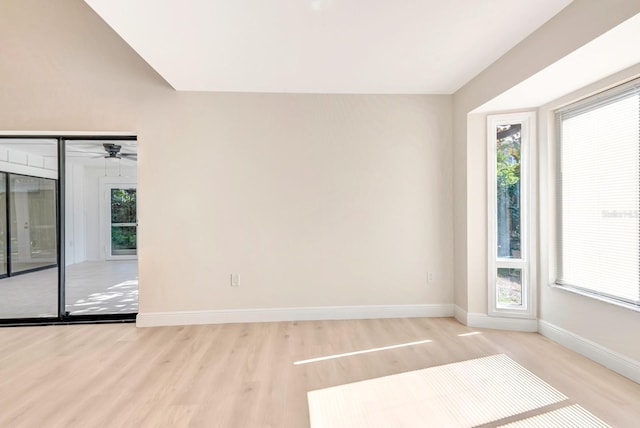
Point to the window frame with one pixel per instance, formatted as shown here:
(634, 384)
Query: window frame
(583, 105)
(527, 261)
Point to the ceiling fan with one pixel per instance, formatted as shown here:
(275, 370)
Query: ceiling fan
(111, 151)
(114, 151)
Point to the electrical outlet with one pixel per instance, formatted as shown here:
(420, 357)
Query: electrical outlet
(235, 279)
(429, 277)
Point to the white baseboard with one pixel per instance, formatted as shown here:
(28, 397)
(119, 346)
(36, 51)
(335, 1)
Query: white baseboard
(157, 319)
(498, 323)
(460, 314)
(598, 353)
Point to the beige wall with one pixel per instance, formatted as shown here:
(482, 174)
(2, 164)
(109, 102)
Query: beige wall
(314, 200)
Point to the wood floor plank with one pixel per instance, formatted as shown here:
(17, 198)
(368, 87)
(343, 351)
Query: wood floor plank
(243, 375)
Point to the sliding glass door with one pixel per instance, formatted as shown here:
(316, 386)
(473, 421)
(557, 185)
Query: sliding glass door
(68, 229)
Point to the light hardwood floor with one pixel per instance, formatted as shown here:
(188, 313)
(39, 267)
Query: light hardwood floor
(243, 375)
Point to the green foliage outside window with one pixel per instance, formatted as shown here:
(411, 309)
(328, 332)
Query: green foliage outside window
(508, 156)
(123, 210)
(123, 238)
(508, 191)
(123, 206)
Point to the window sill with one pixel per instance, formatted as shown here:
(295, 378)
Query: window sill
(595, 296)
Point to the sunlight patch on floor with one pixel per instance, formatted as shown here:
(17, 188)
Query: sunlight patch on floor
(567, 417)
(364, 351)
(122, 297)
(463, 394)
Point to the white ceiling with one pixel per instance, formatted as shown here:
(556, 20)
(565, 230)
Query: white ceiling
(323, 46)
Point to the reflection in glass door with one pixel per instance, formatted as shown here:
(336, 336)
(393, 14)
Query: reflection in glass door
(124, 222)
(32, 214)
(28, 228)
(101, 267)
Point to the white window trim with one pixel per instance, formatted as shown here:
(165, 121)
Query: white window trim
(528, 231)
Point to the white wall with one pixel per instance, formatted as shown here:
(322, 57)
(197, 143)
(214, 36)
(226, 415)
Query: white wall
(314, 200)
(75, 245)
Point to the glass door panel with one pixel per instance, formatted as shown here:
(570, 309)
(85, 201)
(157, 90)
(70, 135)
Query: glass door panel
(28, 228)
(101, 228)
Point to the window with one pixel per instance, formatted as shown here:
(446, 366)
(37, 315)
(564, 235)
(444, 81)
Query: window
(599, 195)
(510, 276)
